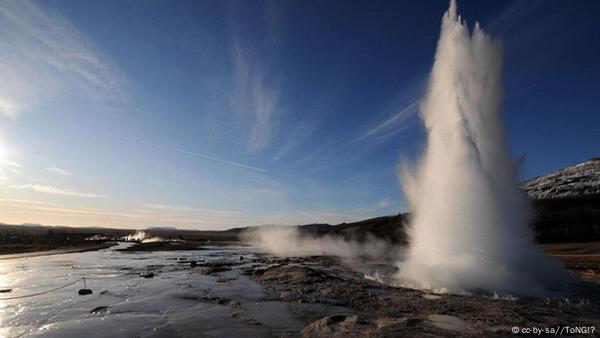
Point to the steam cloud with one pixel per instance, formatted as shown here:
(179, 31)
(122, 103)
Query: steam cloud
(143, 237)
(289, 241)
(469, 229)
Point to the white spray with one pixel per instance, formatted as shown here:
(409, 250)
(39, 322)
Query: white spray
(469, 229)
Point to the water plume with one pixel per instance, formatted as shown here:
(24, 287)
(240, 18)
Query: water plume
(469, 230)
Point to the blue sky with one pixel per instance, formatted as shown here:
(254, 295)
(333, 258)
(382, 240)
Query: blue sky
(213, 114)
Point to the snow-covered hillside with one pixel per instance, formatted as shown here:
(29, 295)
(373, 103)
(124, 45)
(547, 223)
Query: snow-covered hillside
(575, 181)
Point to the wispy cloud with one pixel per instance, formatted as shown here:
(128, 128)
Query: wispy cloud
(254, 100)
(45, 212)
(298, 135)
(43, 56)
(58, 171)
(396, 116)
(368, 139)
(383, 203)
(48, 189)
(216, 159)
(168, 207)
(256, 87)
(12, 164)
(392, 125)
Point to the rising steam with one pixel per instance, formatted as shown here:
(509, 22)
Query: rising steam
(143, 237)
(291, 242)
(469, 229)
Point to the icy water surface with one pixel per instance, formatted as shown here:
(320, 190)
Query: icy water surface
(179, 301)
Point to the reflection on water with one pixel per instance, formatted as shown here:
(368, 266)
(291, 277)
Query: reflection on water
(124, 303)
(5, 309)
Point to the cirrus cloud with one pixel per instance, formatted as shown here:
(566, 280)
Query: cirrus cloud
(43, 56)
(58, 171)
(48, 189)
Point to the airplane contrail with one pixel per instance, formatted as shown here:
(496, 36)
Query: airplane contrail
(216, 159)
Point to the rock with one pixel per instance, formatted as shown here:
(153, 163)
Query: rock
(258, 272)
(294, 274)
(447, 322)
(247, 271)
(100, 309)
(221, 279)
(214, 267)
(148, 275)
(315, 289)
(431, 297)
(215, 300)
(335, 326)
(396, 327)
(253, 322)
(387, 322)
(211, 270)
(218, 264)
(578, 180)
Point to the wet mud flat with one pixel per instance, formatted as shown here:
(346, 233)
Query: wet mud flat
(184, 293)
(580, 258)
(239, 291)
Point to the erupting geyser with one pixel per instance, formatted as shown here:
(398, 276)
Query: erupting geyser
(469, 229)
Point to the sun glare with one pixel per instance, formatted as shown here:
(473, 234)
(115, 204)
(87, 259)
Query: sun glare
(6, 164)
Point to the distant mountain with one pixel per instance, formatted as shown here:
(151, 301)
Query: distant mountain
(575, 181)
(161, 228)
(32, 225)
(389, 228)
(566, 203)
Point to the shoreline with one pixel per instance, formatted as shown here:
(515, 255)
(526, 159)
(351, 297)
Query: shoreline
(177, 245)
(58, 251)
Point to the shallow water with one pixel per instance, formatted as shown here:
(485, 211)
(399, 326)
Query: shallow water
(128, 305)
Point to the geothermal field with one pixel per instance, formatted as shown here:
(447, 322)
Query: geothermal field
(476, 252)
(243, 291)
